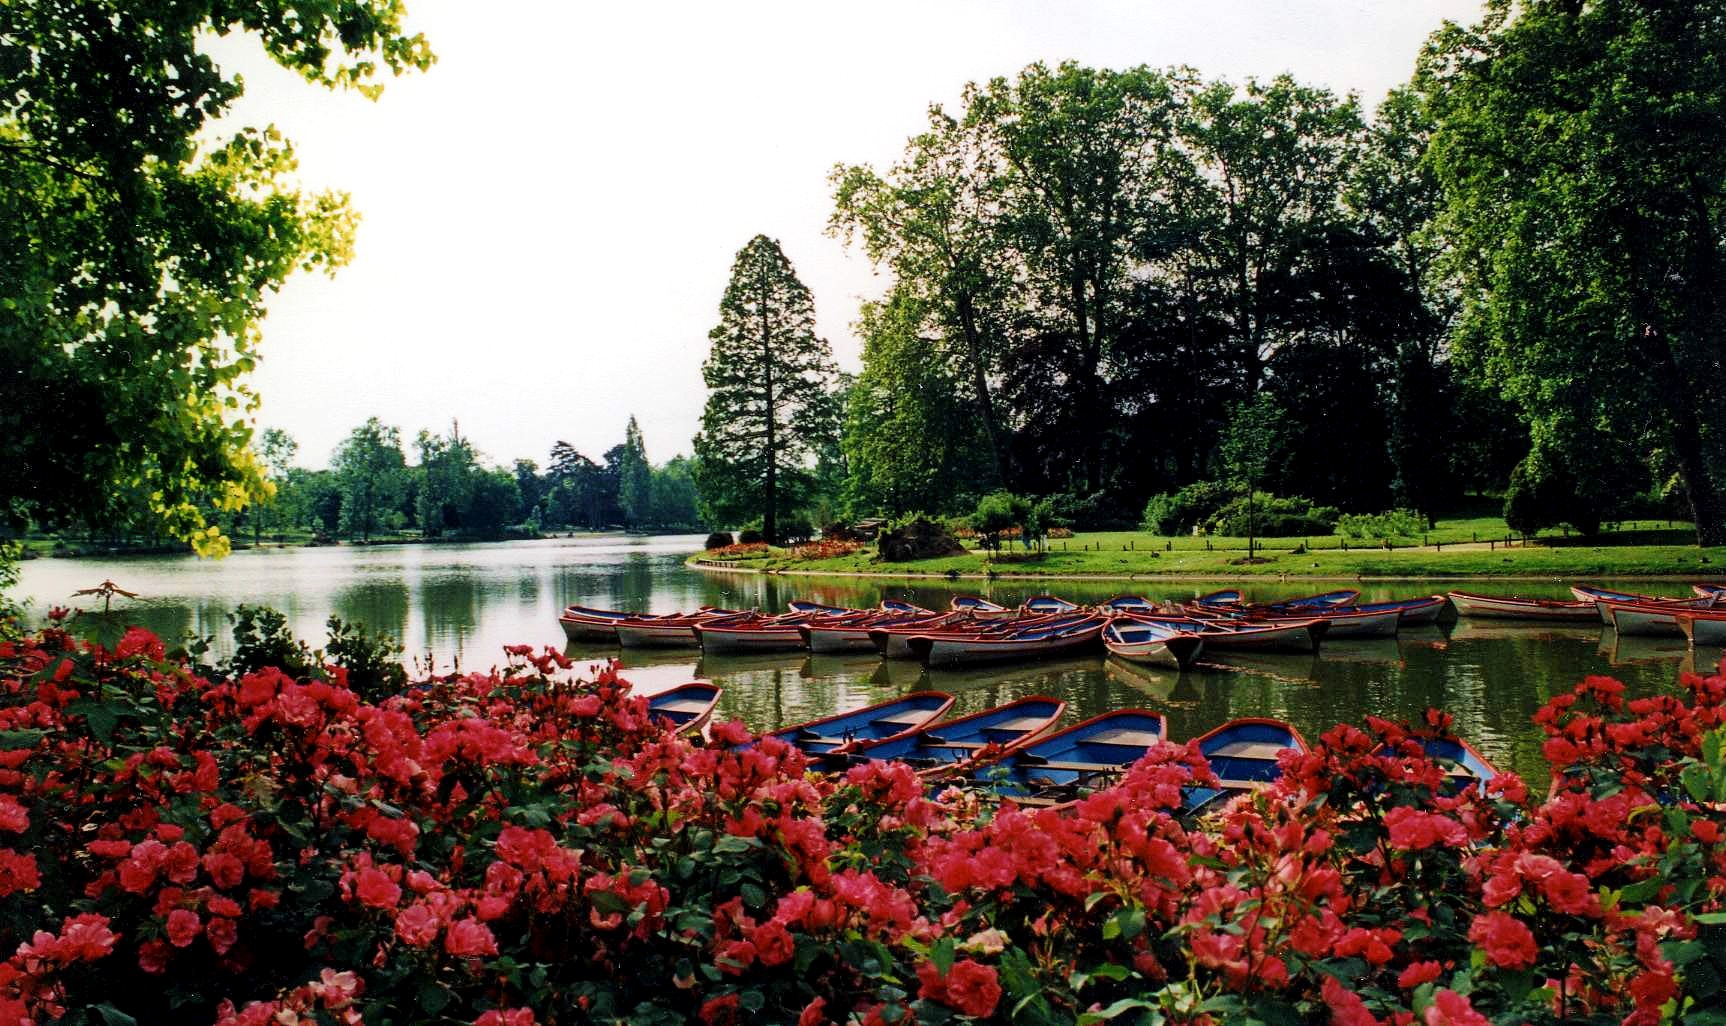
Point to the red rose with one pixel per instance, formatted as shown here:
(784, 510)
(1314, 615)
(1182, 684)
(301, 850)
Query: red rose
(972, 988)
(12, 815)
(153, 956)
(813, 1014)
(418, 925)
(184, 926)
(720, 1010)
(1449, 1008)
(222, 933)
(1508, 943)
(1418, 973)
(773, 944)
(1346, 1007)
(374, 888)
(469, 938)
(1705, 830)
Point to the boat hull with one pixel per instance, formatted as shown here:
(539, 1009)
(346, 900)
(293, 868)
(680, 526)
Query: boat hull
(689, 706)
(828, 640)
(582, 629)
(1701, 629)
(1641, 621)
(968, 650)
(725, 640)
(652, 635)
(1490, 607)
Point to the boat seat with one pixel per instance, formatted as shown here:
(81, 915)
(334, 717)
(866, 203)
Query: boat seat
(903, 719)
(968, 745)
(1248, 750)
(812, 736)
(1243, 785)
(1021, 723)
(689, 705)
(1123, 736)
(1080, 767)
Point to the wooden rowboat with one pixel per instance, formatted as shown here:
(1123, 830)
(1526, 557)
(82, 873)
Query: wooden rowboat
(689, 707)
(1464, 766)
(883, 721)
(1087, 755)
(1703, 626)
(672, 630)
(948, 746)
(1152, 644)
(1416, 612)
(1495, 607)
(1343, 622)
(1602, 596)
(1048, 605)
(981, 608)
(1034, 641)
(1222, 634)
(1642, 619)
(1714, 591)
(750, 633)
(1124, 604)
(1244, 755)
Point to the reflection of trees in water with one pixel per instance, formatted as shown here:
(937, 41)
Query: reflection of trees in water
(380, 604)
(452, 606)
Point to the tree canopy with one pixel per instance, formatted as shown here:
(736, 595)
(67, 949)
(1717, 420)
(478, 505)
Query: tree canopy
(137, 247)
(1578, 145)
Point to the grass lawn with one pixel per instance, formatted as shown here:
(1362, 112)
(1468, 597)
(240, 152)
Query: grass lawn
(1463, 547)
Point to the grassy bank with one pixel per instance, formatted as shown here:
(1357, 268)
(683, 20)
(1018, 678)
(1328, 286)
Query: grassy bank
(1473, 547)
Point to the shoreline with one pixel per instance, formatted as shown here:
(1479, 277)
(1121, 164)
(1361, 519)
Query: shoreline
(694, 563)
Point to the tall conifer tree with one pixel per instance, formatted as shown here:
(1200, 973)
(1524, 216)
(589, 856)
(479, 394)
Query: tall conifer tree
(769, 384)
(635, 478)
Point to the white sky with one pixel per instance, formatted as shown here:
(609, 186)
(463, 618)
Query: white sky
(550, 213)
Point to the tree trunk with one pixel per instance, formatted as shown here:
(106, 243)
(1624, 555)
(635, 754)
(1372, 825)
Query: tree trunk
(980, 382)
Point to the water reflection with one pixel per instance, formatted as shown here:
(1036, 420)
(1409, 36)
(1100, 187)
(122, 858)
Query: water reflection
(465, 602)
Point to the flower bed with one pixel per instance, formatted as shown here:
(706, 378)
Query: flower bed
(740, 549)
(826, 549)
(522, 847)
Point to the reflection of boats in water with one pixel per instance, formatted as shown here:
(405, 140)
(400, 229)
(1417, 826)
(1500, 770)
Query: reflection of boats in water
(720, 665)
(1170, 687)
(1627, 649)
(1294, 668)
(1475, 630)
(1012, 673)
(1363, 650)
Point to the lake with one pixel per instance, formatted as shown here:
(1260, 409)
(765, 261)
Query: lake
(458, 605)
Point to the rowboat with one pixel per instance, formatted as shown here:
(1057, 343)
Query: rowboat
(1244, 756)
(981, 608)
(905, 608)
(882, 721)
(1635, 618)
(818, 609)
(1224, 597)
(850, 633)
(1416, 612)
(584, 623)
(1326, 600)
(1035, 641)
(1086, 755)
(1714, 591)
(893, 640)
(1152, 644)
(748, 632)
(689, 707)
(1464, 767)
(1048, 605)
(673, 630)
(1604, 599)
(1497, 607)
(1344, 622)
(1228, 633)
(1703, 626)
(946, 746)
(1122, 604)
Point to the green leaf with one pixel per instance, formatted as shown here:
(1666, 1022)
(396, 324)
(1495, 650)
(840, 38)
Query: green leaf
(433, 998)
(101, 717)
(113, 1016)
(1109, 1012)
(1711, 918)
(15, 739)
(753, 896)
(943, 954)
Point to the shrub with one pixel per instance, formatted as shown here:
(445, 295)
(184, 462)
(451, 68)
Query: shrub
(920, 539)
(1273, 517)
(826, 549)
(750, 536)
(1389, 525)
(718, 540)
(794, 529)
(740, 549)
(1178, 512)
(523, 847)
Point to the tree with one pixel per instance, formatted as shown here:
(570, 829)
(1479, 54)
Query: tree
(277, 449)
(371, 476)
(1248, 446)
(911, 441)
(446, 475)
(676, 503)
(634, 478)
(769, 381)
(1578, 146)
(576, 492)
(137, 247)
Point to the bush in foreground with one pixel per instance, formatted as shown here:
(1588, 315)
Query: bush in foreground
(523, 847)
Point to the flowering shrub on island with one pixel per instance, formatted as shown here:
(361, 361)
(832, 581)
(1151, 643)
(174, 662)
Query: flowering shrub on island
(526, 848)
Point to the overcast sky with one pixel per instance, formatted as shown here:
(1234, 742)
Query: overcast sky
(550, 213)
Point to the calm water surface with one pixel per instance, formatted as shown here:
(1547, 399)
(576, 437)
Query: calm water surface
(460, 604)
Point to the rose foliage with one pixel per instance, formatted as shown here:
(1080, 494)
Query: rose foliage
(525, 847)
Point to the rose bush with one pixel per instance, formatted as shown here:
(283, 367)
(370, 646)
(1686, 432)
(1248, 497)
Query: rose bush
(523, 847)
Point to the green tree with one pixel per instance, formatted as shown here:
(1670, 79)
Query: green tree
(1578, 145)
(1248, 447)
(578, 490)
(769, 393)
(634, 478)
(277, 449)
(371, 477)
(911, 440)
(448, 466)
(676, 503)
(137, 246)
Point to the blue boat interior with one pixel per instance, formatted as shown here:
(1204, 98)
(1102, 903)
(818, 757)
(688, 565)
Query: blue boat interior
(682, 704)
(867, 724)
(956, 740)
(1242, 757)
(1091, 754)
